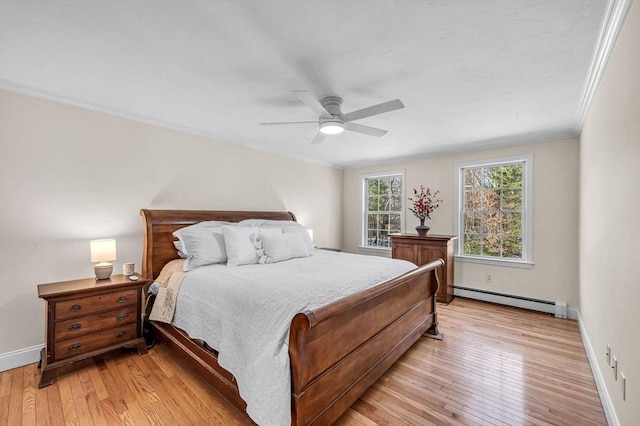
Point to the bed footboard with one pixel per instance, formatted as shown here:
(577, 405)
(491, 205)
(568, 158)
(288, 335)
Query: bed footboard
(339, 350)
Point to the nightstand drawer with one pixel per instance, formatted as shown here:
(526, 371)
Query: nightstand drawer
(91, 342)
(93, 304)
(80, 326)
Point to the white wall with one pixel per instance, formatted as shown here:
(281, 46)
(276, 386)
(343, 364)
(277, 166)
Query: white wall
(69, 175)
(610, 220)
(555, 226)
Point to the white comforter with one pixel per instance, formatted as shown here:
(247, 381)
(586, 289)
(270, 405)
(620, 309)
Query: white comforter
(245, 313)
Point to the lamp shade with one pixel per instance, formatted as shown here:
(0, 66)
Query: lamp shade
(103, 250)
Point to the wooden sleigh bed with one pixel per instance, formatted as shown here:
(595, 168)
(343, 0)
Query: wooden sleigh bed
(336, 351)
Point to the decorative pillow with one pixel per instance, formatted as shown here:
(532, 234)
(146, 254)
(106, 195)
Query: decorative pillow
(288, 226)
(280, 247)
(202, 244)
(244, 244)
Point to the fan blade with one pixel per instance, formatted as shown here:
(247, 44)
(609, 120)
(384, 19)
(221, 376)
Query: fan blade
(288, 122)
(371, 131)
(374, 110)
(312, 103)
(318, 139)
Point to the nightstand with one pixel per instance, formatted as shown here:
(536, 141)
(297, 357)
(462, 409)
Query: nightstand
(89, 317)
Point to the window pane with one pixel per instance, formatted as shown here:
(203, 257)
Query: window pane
(373, 187)
(491, 199)
(490, 178)
(512, 176)
(492, 223)
(512, 223)
(384, 221)
(512, 247)
(396, 185)
(512, 199)
(472, 223)
(372, 221)
(472, 245)
(472, 200)
(491, 245)
(385, 184)
(373, 204)
(372, 237)
(384, 241)
(383, 203)
(394, 223)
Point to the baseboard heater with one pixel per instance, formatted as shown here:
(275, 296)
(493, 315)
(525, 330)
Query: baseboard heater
(558, 308)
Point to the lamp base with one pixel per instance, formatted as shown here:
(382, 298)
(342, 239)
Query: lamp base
(103, 270)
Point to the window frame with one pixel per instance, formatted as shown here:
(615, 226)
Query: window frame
(363, 207)
(527, 199)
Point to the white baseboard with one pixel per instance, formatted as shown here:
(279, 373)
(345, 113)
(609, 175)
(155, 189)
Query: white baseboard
(20, 358)
(607, 405)
(518, 302)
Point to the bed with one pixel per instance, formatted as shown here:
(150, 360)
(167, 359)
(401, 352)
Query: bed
(336, 351)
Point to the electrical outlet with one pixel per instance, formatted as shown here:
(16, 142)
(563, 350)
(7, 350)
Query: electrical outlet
(608, 354)
(623, 385)
(614, 365)
(489, 277)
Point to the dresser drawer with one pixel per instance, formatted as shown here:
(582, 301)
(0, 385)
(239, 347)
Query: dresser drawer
(83, 325)
(92, 304)
(94, 341)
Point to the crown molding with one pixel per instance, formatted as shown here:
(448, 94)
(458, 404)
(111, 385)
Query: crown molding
(611, 25)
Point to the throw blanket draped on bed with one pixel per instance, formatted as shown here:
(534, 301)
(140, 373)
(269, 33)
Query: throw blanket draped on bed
(245, 313)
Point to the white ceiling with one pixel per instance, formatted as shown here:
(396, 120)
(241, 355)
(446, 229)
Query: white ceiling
(471, 73)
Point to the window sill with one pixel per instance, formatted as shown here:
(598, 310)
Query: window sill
(524, 264)
(380, 251)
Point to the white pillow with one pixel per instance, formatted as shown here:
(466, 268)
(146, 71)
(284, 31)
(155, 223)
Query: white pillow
(244, 244)
(280, 247)
(288, 226)
(178, 245)
(202, 244)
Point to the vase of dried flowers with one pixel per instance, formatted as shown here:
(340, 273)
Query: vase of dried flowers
(423, 204)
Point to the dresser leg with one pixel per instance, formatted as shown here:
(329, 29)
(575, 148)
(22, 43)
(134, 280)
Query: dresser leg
(140, 345)
(47, 378)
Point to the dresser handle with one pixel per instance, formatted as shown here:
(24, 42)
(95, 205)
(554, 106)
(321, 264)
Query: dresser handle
(74, 347)
(75, 308)
(121, 316)
(75, 327)
(122, 299)
(122, 333)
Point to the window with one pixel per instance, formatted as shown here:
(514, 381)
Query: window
(383, 208)
(494, 215)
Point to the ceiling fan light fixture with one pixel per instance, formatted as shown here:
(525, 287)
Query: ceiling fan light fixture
(332, 127)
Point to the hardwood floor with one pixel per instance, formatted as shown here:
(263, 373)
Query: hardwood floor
(496, 366)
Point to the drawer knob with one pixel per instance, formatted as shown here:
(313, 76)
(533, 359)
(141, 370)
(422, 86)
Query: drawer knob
(74, 327)
(121, 316)
(75, 308)
(122, 299)
(74, 347)
(122, 333)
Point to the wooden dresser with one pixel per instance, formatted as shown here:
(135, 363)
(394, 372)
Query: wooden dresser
(87, 317)
(422, 250)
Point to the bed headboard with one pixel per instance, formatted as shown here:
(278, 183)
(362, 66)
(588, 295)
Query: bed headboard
(159, 226)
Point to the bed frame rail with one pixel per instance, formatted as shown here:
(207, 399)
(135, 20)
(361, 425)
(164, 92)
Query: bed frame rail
(339, 350)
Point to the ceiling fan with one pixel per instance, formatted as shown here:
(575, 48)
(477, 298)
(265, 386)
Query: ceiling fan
(331, 119)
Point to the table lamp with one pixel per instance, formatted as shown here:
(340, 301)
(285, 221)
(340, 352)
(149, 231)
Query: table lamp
(103, 251)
